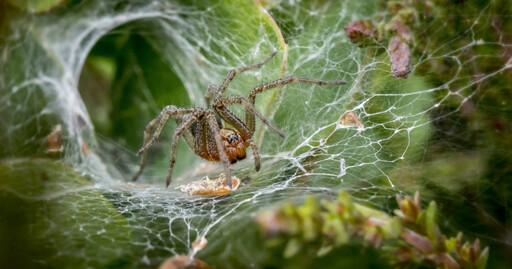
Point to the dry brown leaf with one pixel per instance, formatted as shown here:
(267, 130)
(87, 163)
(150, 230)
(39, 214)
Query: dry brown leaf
(53, 143)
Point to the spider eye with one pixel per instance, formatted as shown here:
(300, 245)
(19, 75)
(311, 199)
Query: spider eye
(232, 138)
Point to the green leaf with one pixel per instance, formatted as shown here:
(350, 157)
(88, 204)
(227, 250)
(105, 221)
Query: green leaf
(431, 223)
(36, 6)
(481, 263)
(292, 247)
(335, 227)
(324, 251)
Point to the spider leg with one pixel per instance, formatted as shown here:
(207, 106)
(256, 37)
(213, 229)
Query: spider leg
(287, 80)
(220, 147)
(246, 134)
(175, 138)
(211, 91)
(250, 109)
(232, 119)
(249, 117)
(255, 153)
(147, 131)
(234, 72)
(164, 117)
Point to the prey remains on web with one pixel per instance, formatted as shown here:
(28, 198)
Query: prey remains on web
(204, 131)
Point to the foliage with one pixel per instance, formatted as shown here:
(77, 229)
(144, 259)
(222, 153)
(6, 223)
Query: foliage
(467, 169)
(412, 236)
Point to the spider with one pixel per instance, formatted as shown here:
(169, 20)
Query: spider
(204, 131)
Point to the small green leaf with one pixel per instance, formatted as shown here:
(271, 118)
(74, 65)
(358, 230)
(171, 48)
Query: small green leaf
(393, 229)
(324, 251)
(451, 244)
(334, 227)
(431, 222)
(482, 260)
(292, 248)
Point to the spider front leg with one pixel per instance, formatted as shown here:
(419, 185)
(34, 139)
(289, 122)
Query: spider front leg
(164, 117)
(147, 131)
(221, 108)
(212, 121)
(161, 119)
(234, 72)
(211, 91)
(255, 153)
(249, 117)
(175, 138)
(245, 133)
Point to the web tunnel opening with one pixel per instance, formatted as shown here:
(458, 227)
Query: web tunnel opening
(124, 83)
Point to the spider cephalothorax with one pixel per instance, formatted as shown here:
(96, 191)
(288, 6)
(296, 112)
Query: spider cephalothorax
(234, 145)
(203, 129)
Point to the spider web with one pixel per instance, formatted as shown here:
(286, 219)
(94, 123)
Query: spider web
(43, 57)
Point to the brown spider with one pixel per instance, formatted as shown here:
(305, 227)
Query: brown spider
(204, 131)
